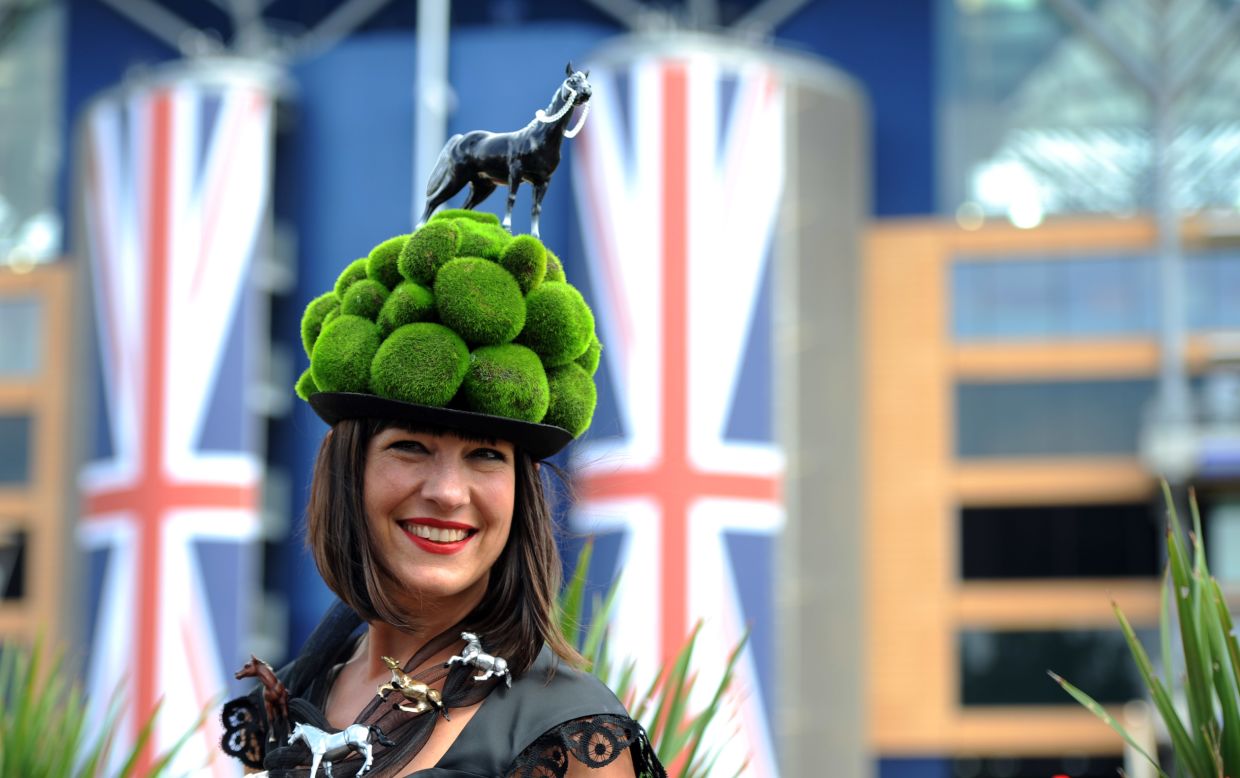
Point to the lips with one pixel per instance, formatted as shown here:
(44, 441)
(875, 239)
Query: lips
(438, 536)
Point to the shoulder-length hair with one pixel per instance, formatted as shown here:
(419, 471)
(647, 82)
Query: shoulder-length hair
(518, 611)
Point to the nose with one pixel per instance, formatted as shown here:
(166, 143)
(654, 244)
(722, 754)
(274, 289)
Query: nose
(446, 485)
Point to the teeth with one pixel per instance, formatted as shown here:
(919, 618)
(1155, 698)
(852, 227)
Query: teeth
(437, 535)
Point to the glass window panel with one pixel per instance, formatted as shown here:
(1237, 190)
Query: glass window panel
(1009, 667)
(14, 450)
(1061, 541)
(12, 564)
(1052, 298)
(1078, 766)
(1050, 418)
(1106, 296)
(20, 336)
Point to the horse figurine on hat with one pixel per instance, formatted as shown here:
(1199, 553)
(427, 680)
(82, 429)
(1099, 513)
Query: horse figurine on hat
(485, 160)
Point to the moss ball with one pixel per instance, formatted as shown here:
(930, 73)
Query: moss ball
(427, 250)
(526, 258)
(408, 303)
(481, 239)
(555, 268)
(306, 386)
(383, 263)
(355, 272)
(506, 380)
(480, 300)
(422, 363)
(482, 217)
(341, 358)
(558, 323)
(589, 360)
(364, 298)
(315, 317)
(573, 398)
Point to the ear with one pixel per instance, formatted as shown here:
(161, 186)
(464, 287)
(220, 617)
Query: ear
(568, 69)
(537, 466)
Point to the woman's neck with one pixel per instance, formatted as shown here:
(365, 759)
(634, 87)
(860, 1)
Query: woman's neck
(431, 619)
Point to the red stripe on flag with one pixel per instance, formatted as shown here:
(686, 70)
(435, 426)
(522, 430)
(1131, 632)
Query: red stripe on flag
(149, 532)
(675, 328)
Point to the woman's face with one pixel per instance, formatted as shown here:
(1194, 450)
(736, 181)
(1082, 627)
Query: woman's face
(439, 510)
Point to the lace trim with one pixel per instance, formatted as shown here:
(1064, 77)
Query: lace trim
(245, 734)
(595, 741)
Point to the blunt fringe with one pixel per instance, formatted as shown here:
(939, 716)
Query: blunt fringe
(518, 611)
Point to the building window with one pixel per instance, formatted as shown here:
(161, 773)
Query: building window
(15, 445)
(20, 319)
(1084, 297)
(12, 565)
(1037, 767)
(1062, 541)
(1050, 418)
(1009, 667)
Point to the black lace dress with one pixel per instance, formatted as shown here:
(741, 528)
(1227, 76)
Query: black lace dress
(551, 714)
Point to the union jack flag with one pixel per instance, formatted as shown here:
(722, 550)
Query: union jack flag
(678, 178)
(174, 194)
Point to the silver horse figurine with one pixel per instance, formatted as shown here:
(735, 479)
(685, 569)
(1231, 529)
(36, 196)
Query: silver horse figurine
(474, 655)
(327, 747)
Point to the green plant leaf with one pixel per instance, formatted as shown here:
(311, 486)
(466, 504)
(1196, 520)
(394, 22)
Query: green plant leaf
(1107, 718)
(1198, 690)
(1186, 750)
(572, 600)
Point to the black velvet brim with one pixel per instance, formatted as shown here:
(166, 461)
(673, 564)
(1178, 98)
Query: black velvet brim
(538, 440)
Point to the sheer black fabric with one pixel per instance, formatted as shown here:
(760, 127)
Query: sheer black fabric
(594, 741)
(551, 712)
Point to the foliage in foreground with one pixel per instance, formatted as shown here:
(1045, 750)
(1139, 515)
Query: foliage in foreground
(43, 732)
(676, 732)
(1207, 743)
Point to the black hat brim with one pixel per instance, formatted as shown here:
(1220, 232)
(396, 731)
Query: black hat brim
(538, 440)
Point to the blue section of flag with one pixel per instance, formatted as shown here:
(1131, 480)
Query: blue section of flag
(208, 111)
(227, 568)
(96, 568)
(753, 568)
(227, 426)
(726, 105)
(750, 417)
(101, 444)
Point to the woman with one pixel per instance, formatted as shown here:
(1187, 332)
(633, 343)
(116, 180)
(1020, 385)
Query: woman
(449, 364)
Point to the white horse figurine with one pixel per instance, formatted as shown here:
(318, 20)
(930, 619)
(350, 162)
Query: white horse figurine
(326, 747)
(474, 655)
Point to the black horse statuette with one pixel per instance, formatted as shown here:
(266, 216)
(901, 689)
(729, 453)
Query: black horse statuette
(485, 160)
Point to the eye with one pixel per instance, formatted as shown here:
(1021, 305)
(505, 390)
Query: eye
(488, 454)
(407, 445)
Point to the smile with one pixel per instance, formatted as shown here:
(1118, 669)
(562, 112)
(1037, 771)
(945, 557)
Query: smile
(437, 537)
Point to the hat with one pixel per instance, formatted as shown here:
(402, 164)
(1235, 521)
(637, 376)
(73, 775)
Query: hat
(459, 325)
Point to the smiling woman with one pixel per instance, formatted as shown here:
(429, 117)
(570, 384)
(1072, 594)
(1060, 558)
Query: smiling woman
(428, 518)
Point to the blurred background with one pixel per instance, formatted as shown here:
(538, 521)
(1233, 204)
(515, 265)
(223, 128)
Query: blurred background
(907, 306)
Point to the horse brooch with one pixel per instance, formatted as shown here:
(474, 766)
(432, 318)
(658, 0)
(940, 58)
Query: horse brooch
(485, 160)
(474, 655)
(326, 747)
(422, 696)
(275, 696)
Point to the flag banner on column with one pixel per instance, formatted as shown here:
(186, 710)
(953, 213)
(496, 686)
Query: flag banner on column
(678, 177)
(174, 194)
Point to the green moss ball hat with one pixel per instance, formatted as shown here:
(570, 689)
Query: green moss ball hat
(458, 326)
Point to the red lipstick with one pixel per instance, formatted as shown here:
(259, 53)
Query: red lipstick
(434, 547)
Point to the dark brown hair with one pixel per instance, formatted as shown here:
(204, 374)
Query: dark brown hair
(518, 611)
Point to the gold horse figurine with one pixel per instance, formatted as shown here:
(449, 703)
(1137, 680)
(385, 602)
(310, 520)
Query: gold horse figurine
(423, 697)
